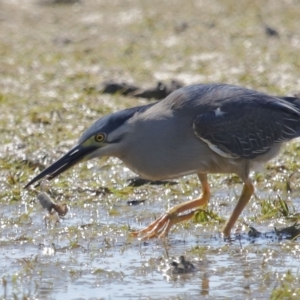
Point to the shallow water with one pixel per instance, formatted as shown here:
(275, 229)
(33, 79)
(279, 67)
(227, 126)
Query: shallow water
(90, 254)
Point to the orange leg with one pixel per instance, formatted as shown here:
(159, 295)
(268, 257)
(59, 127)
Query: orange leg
(247, 192)
(162, 225)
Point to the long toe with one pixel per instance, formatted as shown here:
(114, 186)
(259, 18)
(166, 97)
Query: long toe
(154, 229)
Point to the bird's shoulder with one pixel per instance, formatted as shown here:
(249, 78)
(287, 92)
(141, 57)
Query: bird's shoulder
(206, 97)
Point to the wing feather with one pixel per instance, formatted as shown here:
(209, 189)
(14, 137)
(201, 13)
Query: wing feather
(247, 129)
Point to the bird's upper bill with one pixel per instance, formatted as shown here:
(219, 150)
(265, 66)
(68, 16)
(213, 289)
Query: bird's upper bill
(74, 156)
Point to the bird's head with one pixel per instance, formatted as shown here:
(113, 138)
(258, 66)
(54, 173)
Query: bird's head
(104, 138)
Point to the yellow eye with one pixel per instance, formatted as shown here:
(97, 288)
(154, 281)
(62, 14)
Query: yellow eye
(99, 137)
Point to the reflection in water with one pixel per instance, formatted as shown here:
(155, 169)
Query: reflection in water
(205, 285)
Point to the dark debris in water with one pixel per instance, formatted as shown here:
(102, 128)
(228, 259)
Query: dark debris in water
(99, 191)
(138, 181)
(271, 32)
(182, 266)
(179, 266)
(289, 233)
(160, 91)
(136, 202)
(254, 233)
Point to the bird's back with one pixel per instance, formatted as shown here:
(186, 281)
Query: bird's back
(242, 122)
(209, 128)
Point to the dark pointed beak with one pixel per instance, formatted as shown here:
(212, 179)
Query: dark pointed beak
(74, 156)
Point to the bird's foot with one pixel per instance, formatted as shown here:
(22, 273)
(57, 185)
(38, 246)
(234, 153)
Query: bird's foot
(182, 212)
(161, 227)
